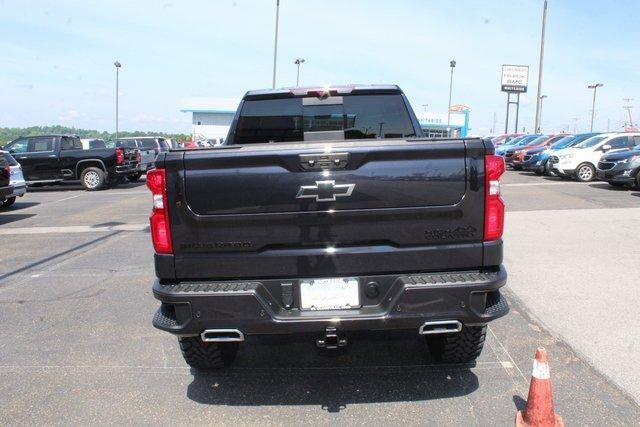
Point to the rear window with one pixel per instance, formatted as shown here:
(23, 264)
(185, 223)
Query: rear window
(126, 143)
(148, 144)
(9, 159)
(312, 119)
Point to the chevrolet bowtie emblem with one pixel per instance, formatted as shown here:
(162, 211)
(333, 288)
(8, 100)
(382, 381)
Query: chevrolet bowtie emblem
(325, 191)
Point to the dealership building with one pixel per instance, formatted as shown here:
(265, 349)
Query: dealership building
(212, 117)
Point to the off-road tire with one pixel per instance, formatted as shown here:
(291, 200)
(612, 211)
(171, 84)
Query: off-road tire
(462, 347)
(135, 177)
(93, 179)
(207, 355)
(7, 202)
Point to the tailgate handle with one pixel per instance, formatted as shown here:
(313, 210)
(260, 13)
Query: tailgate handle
(324, 161)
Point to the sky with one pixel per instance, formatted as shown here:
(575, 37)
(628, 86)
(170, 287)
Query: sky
(56, 57)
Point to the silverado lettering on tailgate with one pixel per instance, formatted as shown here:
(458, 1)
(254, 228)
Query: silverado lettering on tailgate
(450, 234)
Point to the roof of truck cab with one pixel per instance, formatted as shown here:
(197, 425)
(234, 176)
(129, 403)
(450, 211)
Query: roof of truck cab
(337, 89)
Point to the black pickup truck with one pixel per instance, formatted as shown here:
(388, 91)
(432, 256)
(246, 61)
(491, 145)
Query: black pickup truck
(50, 159)
(328, 212)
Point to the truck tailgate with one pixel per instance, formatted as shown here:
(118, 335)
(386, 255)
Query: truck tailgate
(319, 209)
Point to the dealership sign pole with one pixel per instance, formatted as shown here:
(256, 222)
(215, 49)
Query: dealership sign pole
(514, 81)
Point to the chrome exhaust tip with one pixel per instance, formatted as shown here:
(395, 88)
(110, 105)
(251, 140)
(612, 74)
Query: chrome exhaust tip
(221, 335)
(440, 327)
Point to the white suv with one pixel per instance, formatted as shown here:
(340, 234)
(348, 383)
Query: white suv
(580, 161)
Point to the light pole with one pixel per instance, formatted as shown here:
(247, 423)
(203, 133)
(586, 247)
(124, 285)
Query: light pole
(298, 61)
(118, 65)
(542, 97)
(593, 105)
(538, 99)
(452, 65)
(275, 45)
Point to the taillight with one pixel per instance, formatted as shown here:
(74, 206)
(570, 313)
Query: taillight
(493, 203)
(159, 219)
(119, 156)
(138, 157)
(6, 172)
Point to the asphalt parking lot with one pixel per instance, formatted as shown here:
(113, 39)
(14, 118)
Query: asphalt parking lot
(78, 346)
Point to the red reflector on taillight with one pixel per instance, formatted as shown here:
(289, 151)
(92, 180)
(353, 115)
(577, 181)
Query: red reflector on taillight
(119, 156)
(159, 219)
(493, 203)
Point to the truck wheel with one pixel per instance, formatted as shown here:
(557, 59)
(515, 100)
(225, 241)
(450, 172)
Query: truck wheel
(7, 202)
(207, 355)
(93, 179)
(585, 172)
(462, 347)
(135, 177)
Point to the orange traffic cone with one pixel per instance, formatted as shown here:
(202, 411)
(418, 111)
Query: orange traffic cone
(539, 410)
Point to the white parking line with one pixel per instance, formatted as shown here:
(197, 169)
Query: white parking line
(66, 198)
(73, 229)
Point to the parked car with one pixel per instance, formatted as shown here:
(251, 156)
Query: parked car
(519, 141)
(50, 159)
(328, 228)
(536, 160)
(149, 147)
(621, 168)
(504, 139)
(16, 180)
(580, 161)
(510, 152)
(6, 189)
(517, 159)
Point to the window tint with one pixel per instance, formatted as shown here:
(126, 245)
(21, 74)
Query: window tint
(41, 143)
(377, 116)
(97, 143)
(619, 142)
(357, 117)
(18, 146)
(270, 120)
(636, 140)
(66, 143)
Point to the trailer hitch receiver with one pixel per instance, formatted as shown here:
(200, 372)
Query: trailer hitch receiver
(332, 339)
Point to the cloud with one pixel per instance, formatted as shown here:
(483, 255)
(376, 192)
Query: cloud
(69, 116)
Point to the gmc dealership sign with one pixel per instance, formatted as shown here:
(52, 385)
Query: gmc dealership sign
(515, 78)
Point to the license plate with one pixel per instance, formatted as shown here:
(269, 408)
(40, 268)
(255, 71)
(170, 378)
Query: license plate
(329, 294)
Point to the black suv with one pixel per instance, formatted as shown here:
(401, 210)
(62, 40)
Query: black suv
(621, 168)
